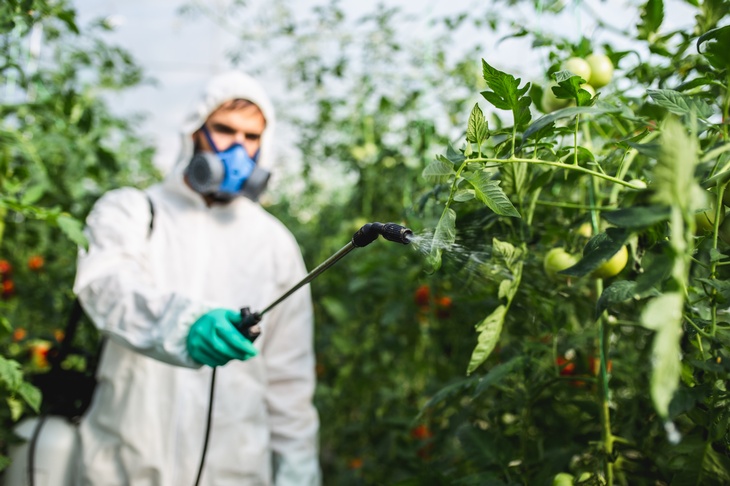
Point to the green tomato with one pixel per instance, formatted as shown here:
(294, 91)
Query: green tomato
(585, 230)
(579, 67)
(563, 479)
(638, 184)
(601, 70)
(613, 265)
(705, 220)
(550, 102)
(556, 260)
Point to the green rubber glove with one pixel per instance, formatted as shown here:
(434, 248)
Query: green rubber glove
(213, 339)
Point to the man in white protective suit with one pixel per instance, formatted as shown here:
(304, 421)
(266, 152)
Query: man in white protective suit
(164, 278)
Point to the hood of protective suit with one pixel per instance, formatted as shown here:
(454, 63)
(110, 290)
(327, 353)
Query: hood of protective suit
(221, 88)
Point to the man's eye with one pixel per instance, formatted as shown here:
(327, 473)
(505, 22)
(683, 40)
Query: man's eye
(253, 137)
(224, 129)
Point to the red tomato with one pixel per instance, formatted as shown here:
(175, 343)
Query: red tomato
(36, 262)
(59, 335)
(19, 334)
(422, 295)
(443, 307)
(8, 288)
(567, 368)
(5, 267)
(39, 354)
(421, 432)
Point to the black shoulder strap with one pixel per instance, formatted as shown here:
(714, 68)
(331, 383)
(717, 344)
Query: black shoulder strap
(152, 215)
(77, 311)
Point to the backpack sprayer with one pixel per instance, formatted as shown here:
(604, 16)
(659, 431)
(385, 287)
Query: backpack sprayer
(249, 325)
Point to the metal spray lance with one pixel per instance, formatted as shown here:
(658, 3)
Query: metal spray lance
(369, 232)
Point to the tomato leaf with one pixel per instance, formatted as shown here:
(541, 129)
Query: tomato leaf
(489, 192)
(449, 391)
(478, 129)
(10, 373)
(721, 286)
(443, 238)
(73, 229)
(598, 250)
(664, 315)
(716, 256)
(619, 292)
(33, 194)
(506, 93)
(679, 104)
(674, 174)
(652, 16)
(652, 150)
(703, 465)
(463, 195)
(638, 216)
(569, 87)
(16, 408)
(454, 156)
(656, 271)
(507, 253)
(31, 395)
(715, 153)
(489, 330)
(439, 170)
(491, 327)
(496, 374)
(694, 83)
(716, 50)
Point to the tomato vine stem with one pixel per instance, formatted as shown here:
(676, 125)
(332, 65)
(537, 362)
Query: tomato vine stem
(578, 168)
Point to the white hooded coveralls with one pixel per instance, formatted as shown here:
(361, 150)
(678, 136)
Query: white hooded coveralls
(144, 290)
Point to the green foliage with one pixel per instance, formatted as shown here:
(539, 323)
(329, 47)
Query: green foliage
(615, 380)
(662, 317)
(506, 94)
(60, 149)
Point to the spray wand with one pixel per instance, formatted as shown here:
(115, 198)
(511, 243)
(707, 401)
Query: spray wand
(249, 325)
(363, 237)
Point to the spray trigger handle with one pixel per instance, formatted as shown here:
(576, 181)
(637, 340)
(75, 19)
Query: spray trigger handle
(249, 325)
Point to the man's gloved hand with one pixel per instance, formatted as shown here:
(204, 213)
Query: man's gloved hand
(213, 339)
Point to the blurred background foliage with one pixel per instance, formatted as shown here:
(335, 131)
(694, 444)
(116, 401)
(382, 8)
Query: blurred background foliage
(61, 147)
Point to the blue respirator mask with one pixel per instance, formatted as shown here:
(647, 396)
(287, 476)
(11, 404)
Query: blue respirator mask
(227, 174)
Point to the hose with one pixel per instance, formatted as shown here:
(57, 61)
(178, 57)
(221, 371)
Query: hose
(208, 424)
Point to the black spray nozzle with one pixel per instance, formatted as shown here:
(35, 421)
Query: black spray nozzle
(390, 231)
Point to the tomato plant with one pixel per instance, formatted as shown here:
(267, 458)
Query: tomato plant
(538, 176)
(61, 149)
(609, 377)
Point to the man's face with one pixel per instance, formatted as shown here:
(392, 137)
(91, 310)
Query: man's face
(229, 126)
